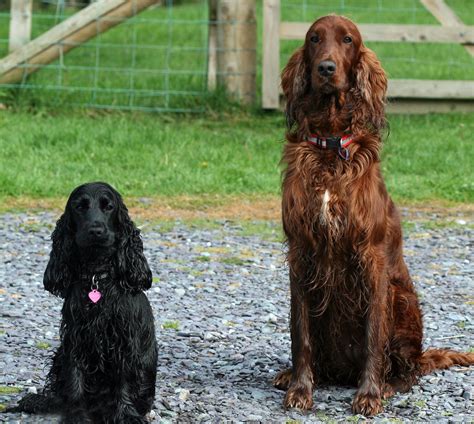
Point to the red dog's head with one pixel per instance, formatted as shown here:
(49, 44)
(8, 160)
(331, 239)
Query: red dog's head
(332, 62)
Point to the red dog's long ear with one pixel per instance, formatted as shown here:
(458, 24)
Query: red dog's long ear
(370, 90)
(294, 81)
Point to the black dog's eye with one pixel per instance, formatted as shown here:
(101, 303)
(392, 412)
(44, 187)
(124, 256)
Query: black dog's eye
(347, 39)
(314, 38)
(106, 204)
(82, 206)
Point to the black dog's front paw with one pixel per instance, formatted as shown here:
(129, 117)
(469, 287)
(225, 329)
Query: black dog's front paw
(76, 417)
(131, 420)
(127, 415)
(34, 403)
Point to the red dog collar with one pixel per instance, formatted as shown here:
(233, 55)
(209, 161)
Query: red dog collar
(337, 143)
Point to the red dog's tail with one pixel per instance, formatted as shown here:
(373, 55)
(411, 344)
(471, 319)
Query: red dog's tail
(440, 359)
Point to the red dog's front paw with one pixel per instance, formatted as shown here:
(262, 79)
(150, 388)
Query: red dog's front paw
(299, 396)
(367, 405)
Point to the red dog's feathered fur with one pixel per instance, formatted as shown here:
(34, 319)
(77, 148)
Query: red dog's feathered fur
(355, 316)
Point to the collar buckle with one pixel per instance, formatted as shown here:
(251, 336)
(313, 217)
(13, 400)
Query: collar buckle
(333, 142)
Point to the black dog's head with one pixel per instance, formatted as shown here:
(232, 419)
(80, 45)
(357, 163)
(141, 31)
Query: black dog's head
(94, 208)
(96, 225)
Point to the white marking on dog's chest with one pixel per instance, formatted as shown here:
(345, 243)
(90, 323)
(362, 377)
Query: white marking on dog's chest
(325, 206)
(327, 217)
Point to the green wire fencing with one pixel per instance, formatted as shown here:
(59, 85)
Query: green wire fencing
(158, 60)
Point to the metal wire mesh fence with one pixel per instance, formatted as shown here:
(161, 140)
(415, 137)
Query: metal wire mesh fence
(155, 61)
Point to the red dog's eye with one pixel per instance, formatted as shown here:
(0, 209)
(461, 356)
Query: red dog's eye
(347, 39)
(314, 38)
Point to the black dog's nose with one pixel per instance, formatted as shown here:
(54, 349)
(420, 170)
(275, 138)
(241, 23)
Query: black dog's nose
(326, 68)
(96, 231)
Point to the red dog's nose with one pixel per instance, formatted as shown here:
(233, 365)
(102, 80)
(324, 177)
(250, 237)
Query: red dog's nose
(326, 68)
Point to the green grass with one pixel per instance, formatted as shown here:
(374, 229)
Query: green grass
(420, 403)
(46, 155)
(203, 259)
(233, 260)
(43, 345)
(267, 230)
(8, 390)
(430, 157)
(463, 9)
(170, 325)
(140, 155)
(425, 157)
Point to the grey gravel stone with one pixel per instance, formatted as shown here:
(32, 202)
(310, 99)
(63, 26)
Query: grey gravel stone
(229, 296)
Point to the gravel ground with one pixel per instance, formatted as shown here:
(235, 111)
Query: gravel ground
(221, 304)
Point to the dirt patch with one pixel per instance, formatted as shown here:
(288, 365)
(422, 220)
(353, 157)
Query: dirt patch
(214, 207)
(235, 208)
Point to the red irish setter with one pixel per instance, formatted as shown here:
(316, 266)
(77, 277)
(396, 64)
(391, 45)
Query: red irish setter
(355, 317)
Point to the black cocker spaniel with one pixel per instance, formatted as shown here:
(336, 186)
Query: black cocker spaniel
(105, 368)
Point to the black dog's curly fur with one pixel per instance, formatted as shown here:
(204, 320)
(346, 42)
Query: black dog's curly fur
(105, 368)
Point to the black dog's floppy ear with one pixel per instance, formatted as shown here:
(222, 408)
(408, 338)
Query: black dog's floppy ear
(134, 272)
(58, 275)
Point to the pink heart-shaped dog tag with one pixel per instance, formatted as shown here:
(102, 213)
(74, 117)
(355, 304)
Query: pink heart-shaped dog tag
(95, 295)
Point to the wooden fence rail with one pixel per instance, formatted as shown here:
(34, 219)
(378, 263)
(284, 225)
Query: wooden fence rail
(393, 33)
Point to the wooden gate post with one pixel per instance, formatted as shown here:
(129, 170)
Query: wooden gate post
(20, 23)
(212, 46)
(271, 55)
(237, 48)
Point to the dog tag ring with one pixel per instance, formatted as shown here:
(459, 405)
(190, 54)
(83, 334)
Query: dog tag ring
(94, 294)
